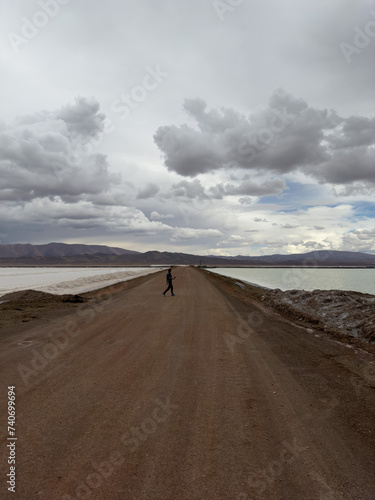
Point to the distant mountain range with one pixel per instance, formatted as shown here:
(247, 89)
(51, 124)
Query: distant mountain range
(62, 254)
(57, 250)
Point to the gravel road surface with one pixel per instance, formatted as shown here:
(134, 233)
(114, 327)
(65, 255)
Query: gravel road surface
(133, 395)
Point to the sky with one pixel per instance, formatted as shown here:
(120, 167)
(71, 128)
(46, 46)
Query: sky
(214, 127)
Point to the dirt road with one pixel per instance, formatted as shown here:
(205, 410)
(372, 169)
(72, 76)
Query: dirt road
(200, 396)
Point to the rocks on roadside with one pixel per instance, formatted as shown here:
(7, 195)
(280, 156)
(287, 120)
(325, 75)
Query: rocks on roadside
(344, 312)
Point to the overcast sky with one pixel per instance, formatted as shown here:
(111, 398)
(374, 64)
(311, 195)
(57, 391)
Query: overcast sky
(202, 126)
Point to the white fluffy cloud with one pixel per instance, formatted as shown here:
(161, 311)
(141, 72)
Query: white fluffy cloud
(186, 233)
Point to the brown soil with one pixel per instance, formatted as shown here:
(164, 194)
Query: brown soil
(206, 395)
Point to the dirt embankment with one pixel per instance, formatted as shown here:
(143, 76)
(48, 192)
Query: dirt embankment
(347, 316)
(19, 310)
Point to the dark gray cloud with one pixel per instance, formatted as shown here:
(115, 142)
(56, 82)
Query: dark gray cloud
(187, 151)
(347, 166)
(250, 188)
(360, 240)
(365, 234)
(82, 117)
(50, 154)
(187, 189)
(355, 189)
(194, 190)
(357, 131)
(149, 191)
(286, 136)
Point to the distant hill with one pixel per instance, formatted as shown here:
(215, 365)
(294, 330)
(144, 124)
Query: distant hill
(57, 250)
(317, 258)
(61, 254)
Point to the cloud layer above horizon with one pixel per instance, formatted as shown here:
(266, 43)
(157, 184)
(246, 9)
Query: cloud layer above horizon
(173, 144)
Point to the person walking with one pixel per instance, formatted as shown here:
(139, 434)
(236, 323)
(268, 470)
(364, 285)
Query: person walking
(169, 282)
